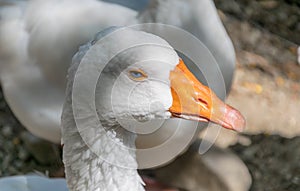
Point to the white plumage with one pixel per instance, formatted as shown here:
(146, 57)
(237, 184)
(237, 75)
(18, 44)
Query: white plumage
(112, 151)
(39, 38)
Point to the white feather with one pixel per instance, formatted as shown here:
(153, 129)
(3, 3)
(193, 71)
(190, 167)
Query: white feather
(37, 42)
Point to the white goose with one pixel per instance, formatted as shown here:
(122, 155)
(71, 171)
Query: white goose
(39, 38)
(99, 153)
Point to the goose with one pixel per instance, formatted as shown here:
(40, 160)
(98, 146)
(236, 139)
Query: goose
(98, 152)
(39, 38)
(109, 91)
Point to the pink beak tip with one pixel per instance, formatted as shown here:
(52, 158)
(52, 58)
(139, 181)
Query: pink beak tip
(235, 119)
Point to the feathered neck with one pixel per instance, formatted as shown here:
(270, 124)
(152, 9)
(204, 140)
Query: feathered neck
(100, 162)
(97, 158)
(89, 170)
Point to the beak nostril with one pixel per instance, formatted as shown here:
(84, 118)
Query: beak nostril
(203, 103)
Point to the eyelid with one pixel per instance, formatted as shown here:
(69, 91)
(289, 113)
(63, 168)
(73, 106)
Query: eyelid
(143, 77)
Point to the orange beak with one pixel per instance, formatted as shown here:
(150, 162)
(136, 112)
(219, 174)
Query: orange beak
(194, 101)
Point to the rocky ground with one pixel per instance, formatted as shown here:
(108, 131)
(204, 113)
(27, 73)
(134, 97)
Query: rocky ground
(273, 162)
(266, 90)
(21, 152)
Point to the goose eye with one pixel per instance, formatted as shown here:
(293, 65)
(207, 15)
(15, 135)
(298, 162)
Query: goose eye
(137, 75)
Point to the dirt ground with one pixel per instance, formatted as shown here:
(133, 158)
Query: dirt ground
(266, 90)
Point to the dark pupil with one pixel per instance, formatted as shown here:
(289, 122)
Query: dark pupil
(136, 74)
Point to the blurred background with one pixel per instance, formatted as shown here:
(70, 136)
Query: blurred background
(266, 35)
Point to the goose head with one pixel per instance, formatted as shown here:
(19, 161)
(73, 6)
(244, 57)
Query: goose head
(150, 81)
